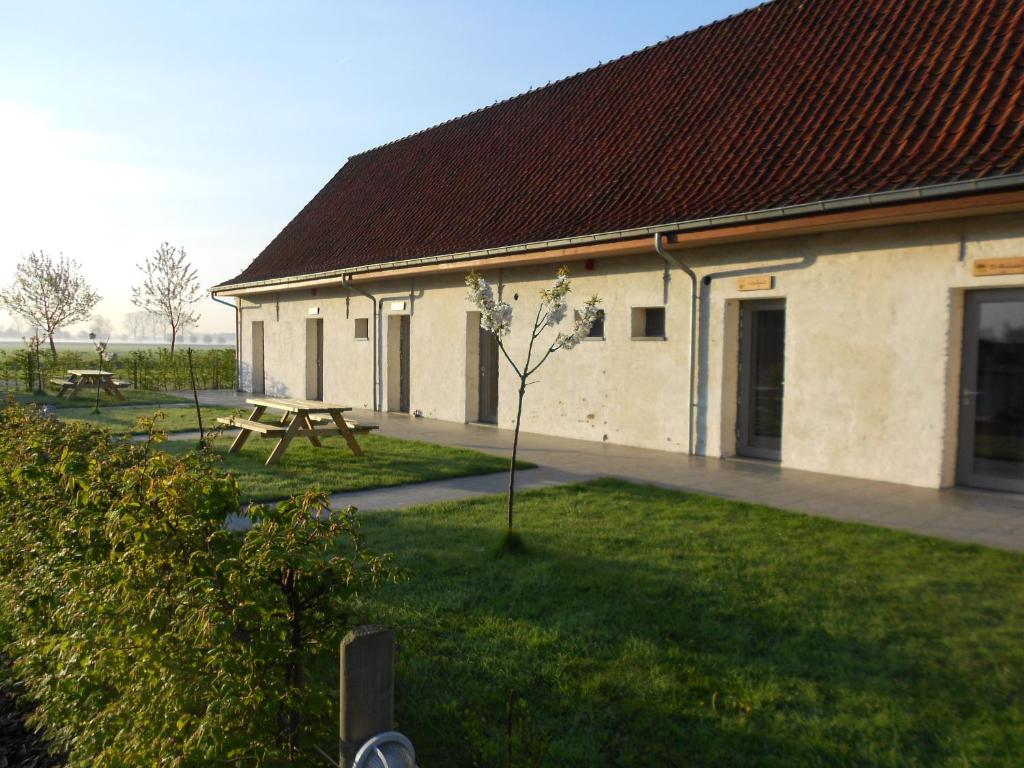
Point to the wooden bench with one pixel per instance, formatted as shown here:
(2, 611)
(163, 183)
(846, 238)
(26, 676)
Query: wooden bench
(259, 427)
(355, 426)
(121, 384)
(62, 383)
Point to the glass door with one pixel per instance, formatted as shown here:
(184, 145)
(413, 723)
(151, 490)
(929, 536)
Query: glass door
(991, 450)
(762, 378)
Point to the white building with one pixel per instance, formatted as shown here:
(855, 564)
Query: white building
(805, 223)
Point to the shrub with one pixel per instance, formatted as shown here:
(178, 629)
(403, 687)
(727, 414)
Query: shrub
(149, 634)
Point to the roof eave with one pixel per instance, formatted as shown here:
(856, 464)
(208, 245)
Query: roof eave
(874, 199)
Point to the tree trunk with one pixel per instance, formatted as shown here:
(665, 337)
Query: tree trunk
(174, 335)
(53, 349)
(515, 450)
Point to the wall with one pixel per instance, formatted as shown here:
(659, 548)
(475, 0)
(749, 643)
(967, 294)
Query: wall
(872, 346)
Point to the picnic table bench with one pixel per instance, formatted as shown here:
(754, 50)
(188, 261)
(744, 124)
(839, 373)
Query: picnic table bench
(80, 378)
(299, 418)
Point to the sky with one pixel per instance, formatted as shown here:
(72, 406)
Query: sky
(210, 124)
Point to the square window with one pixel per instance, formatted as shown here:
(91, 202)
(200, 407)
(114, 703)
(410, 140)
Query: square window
(648, 323)
(362, 328)
(597, 329)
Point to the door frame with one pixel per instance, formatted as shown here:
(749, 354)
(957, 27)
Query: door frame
(746, 444)
(968, 393)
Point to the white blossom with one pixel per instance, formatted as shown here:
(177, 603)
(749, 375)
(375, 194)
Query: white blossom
(495, 316)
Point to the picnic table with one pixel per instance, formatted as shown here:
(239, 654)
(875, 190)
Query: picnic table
(298, 418)
(89, 378)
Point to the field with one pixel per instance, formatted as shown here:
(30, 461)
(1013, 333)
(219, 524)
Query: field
(120, 347)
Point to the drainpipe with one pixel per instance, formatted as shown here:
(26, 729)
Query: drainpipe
(694, 314)
(238, 340)
(373, 310)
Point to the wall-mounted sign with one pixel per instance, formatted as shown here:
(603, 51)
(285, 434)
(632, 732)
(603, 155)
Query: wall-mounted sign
(313, 311)
(755, 283)
(397, 306)
(989, 267)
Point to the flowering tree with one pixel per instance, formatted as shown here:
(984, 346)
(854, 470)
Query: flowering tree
(49, 293)
(496, 317)
(169, 290)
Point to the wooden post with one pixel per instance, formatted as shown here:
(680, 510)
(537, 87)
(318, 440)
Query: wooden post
(367, 688)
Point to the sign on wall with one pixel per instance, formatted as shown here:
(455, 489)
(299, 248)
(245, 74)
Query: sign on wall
(755, 283)
(1004, 266)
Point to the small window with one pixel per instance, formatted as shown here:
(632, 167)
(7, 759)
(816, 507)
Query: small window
(597, 329)
(648, 323)
(362, 328)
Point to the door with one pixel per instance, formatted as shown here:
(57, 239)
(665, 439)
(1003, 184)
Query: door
(991, 445)
(762, 378)
(259, 385)
(315, 359)
(488, 379)
(403, 355)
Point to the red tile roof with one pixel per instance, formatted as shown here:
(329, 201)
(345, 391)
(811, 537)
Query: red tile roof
(790, 102)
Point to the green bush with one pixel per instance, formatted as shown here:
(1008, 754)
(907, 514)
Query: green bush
(144, 630)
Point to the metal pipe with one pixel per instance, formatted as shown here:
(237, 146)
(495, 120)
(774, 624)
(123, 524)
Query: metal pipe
(373, 310)
(238, 340)
(922, 193)
(694, 315)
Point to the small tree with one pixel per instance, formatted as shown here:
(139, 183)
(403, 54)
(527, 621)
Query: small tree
(169, 289)
(49, 294)
(496, 317)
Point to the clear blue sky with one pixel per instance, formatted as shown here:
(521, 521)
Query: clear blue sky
(210, 124)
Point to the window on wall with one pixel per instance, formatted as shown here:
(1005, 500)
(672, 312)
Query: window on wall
(362, 328)
(648, 323)
(597, 329)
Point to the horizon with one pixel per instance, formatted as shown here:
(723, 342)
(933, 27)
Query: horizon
(123, 126)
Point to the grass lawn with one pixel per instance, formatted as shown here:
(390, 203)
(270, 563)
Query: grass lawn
(649, 627)
(86, 399)
(122, 420)
(333, 467)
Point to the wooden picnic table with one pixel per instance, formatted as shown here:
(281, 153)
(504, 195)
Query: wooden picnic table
(296, 420)
(89, 378)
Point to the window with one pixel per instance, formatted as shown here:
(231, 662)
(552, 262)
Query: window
(597, 329)
(648, 323)
(362, 328)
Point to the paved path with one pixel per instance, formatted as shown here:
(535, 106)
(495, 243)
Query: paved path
(994, 519)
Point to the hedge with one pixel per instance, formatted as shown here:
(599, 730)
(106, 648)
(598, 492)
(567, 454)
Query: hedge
(143, 630)
(151, 369)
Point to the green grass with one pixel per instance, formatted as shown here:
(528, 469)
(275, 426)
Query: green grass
(86, 399)
(125, 420)
(333, 468)
(649, 627)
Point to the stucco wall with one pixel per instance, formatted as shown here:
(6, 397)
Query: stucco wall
(872, 346)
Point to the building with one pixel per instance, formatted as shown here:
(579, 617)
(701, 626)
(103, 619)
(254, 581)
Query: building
(806, 222)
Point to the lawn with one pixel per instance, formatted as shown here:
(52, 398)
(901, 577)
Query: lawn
(333, 468)
(86, 399)
(649, 627)
(125, 420)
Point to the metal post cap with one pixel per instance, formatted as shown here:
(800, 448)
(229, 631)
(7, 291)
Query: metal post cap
(386, 750)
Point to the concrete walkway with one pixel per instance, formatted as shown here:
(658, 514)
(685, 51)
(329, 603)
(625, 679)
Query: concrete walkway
(990, 518)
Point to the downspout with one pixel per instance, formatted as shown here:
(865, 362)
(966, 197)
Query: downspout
(694, 315)
(373, 310)
(238, 340)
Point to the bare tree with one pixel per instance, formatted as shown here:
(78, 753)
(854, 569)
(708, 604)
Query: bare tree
(101, 327)
(49, 294)
(169, 290)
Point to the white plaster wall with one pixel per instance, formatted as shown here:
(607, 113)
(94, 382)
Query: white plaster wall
(873, 343)
(872, 346)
